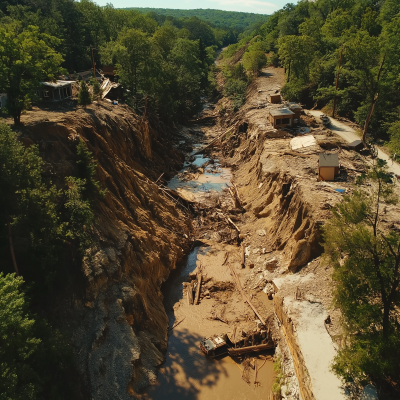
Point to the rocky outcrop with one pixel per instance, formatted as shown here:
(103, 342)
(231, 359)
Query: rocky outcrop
(118, 324)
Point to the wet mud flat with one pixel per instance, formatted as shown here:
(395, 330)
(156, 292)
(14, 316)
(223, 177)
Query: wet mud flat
(187, 372)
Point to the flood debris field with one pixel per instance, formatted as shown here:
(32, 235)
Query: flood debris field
(258, 207)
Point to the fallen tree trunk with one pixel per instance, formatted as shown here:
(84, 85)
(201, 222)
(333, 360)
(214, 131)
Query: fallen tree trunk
(250, 349)
(196, 299)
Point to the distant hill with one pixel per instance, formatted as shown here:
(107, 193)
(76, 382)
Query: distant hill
(218, 18)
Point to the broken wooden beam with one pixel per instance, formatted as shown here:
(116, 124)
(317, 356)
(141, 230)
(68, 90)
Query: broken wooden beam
(243, 257)
(235, 226)
(196, 299)
(190, 293)
(250, 349)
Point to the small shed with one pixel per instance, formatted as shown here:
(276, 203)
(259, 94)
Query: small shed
(281, 118)
(296, 108)
(275, 98)
(3, 100)
(55, 91)
(356, 145)
(328, 166)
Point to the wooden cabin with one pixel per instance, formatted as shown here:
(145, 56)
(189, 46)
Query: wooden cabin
(328, 166)
(55, 91)
(275, 98)
(281, 118)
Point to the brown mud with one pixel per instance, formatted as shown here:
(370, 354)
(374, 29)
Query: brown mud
(249, 192)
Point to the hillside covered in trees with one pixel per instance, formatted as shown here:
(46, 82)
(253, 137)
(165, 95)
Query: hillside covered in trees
(239, 21)
(311, 39)
(164, 59)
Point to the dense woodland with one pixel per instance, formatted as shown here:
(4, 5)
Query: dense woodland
(311, 38)
(164, 59)
(237, 21)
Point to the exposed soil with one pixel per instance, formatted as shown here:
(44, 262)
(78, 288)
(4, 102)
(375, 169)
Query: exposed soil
(276, 216)
(250, 191)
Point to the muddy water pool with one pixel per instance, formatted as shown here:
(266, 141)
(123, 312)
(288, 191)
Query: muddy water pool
(187, 373)
(213, 179)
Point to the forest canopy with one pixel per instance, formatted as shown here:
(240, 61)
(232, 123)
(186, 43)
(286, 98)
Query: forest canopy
(219, 18)
(313, 37)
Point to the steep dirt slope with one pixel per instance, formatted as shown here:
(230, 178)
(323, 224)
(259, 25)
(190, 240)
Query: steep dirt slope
(119, 325)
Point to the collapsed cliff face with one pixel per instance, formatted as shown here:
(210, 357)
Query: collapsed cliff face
(119, 325)
(286, 203)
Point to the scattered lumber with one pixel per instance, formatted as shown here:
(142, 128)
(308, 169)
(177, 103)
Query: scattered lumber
(215, 140)
(236, 201)
(226, 258)
(244, 295)
(243, 258)
(250, 349)
(196, 299)
(159, 177)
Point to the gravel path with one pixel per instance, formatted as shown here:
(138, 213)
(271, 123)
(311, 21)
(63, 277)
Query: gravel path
(350, 135)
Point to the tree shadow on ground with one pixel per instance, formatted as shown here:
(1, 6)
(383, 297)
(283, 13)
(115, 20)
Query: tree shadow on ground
(186, 369)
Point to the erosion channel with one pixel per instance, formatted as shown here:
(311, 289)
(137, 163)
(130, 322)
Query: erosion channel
(187, 372)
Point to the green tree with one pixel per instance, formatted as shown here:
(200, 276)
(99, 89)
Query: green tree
(33, 356)
(17, 342)
(26, 58)
(366, 258)
(254, 60)
(28, 205)
(97, 91)
(137, 61)
(84, 98)
(187, 71)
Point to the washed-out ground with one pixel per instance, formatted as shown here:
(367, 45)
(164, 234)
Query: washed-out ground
(281, 208)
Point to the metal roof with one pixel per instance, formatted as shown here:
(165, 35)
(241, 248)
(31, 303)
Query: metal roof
(58, 84)
(281, 112)
(356, 143)
(328, 160)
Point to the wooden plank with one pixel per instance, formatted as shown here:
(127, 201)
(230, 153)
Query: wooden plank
(244, 295)
(243, 258)
(196, 299)
(250, 349)
(229, 220)
(190, 293)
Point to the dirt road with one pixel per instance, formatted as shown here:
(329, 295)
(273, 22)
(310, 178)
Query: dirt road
(350, 135)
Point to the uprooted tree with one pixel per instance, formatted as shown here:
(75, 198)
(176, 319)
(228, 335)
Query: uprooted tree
(365, 253)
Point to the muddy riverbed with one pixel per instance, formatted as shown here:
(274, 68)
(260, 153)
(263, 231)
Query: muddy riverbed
(187, 372)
